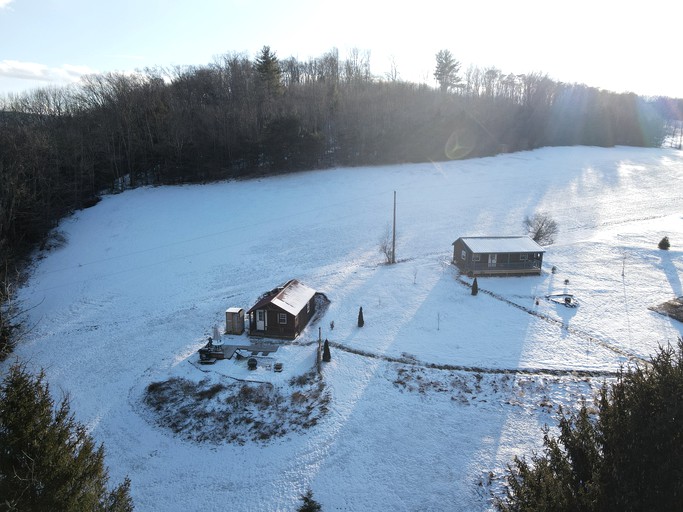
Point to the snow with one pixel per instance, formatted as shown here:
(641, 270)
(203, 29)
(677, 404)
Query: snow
(488, 244)
(293, 297)
(440, 389)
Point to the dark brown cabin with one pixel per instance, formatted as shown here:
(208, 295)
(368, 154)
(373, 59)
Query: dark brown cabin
(497, 255)
(282, 312)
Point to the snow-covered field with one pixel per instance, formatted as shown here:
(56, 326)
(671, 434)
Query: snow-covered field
(145, 275)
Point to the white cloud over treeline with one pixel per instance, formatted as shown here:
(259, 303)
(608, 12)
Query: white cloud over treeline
(35, 71)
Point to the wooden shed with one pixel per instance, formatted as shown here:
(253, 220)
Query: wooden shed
(498, 255)
(282, 312)
(234, 321)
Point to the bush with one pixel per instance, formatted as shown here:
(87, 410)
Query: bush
(627, 456)
(475, 287)
(386, 246)
(664, 244)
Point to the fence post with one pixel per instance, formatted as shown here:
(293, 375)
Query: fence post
(319, 355)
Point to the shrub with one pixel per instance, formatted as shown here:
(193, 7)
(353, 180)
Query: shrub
(664, 244)
(475, 287)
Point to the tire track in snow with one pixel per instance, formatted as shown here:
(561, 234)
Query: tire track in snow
(559, 372)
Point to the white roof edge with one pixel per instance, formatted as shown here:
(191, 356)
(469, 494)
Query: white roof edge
(293, 297)
(484, 244)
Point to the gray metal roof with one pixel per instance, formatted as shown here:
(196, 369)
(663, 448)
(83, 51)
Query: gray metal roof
(501, 244)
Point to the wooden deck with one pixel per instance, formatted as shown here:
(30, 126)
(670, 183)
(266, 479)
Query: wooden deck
(210, 354)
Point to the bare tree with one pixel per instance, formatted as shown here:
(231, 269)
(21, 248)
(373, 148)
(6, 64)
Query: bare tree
(393, 75)
(386, 245)
(542, 228)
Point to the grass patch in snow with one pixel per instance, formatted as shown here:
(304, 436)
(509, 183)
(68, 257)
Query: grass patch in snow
(544, 392)
(672, 308)
(237, 412)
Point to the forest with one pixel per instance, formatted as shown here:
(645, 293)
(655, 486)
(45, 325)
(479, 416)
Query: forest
(237, 117)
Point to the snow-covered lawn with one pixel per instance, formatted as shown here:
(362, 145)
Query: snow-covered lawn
(432, 398)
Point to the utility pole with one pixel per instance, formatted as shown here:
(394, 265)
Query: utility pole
(393, 240)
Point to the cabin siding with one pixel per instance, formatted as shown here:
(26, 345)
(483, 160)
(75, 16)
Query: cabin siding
(279, 323)
(496, 262)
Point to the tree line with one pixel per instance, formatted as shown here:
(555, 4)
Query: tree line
(60, 147)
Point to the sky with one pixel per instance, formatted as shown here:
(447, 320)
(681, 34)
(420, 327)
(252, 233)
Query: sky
(600, 43)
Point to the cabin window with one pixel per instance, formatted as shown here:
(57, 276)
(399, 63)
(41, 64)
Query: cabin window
(282, 318)
(476, 257)
(523, 257)
(463, 254)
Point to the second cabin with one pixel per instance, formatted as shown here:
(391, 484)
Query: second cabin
(282, 312)
(497, 255)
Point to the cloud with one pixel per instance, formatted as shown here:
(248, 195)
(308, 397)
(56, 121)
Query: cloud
(66, 73)
(5, 3)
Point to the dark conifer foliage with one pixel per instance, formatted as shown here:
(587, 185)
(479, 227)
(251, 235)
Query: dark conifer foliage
(361, 321)
(268, 68)
(48, 461)
(327, 357)
(446, 72)
(627, 456)
(475, 287)
(308, 503)
(664, 244)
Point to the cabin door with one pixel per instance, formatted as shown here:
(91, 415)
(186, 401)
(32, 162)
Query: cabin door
(260, 320)
(493, 259)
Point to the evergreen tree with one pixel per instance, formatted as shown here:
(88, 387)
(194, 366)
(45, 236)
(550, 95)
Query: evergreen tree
(446, 72)
(361, 322)
(309, 504)
(268, 68)
(628, 457)
(475, 287)
(664, 244)
(327, 357)
(48, 461)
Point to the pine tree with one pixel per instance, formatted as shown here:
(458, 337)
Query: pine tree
(664, 244)
(361, 322)
(475, 287)
(327, 357)
(627, 457)
(309, 504)
(48, 461)
(446, 72)
(270, 74)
